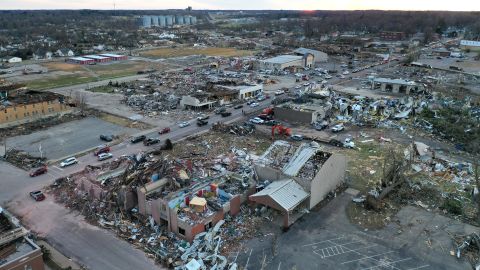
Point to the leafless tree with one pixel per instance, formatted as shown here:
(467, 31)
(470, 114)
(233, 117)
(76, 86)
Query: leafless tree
(80, 101)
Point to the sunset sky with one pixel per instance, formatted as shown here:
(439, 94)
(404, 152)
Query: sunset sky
(459, 5)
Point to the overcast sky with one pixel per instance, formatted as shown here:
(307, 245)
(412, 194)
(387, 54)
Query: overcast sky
(468, 5)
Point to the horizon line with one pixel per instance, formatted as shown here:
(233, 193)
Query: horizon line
(309, 10)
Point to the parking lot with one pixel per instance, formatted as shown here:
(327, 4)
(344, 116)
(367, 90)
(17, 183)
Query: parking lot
(314, 243)
(68, 138)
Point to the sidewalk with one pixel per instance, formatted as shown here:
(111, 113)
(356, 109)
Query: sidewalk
(57, 258)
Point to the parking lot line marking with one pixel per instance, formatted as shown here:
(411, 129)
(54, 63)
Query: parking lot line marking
(238, 252)
(386, 264)
(56, 167)
(378, 261)
(339, 245)
(420, 267)
(368, 257)
(280, 263)
(246, 265)
(323, 241)
(335, 254)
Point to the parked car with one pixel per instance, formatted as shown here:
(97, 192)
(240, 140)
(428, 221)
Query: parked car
(254, 104)
(37, 195)
(261, 98)
(220, 110)
(226, 114)
(138, 139)
(279, 92)
(101, 149)
(201, 122)
(184, 124)
(256, 120)
(164, 131)
(150, 141)
(271, 123)
(38, 171)
(338, 128)
(250, 101)
(296, 137)
(203, 117)
(69, 161)
(107, 138)
(239, 106)
(104, 156)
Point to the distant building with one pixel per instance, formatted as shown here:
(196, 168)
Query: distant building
(394, 36)
(64, 52)
(17, 252)
(149, 21)
(93, 58)
(41, 54)
(470, 45)
(115, 57)
(245, 91)
(293, 62)
(441, 52)
(320, 57)
(80, 60)
(395, 85)
(12, 59)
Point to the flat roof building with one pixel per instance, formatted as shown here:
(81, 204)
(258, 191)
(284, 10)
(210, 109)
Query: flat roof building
(282, 62)
(16, 250)
(319, 56)
(80, 60)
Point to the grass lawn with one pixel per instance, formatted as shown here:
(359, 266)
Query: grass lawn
(90, 73)
(178, 52)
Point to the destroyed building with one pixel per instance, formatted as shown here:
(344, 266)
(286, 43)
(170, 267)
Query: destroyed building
(196, 208)
(16, 250)
(294, 172)
(301, 113)
(21, 106)
(395, 85)
(219, 95)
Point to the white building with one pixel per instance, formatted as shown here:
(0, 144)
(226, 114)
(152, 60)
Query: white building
(283, 62)
(320, 57)
(246, 91)
(470, 44)
(12, 59)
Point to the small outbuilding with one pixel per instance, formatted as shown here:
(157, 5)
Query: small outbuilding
(286, 196)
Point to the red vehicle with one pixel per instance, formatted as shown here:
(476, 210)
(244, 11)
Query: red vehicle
(164, 131)
(37, 195)
(38, 171)
(101, 150)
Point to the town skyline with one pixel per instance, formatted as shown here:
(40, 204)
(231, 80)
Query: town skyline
(461, 5)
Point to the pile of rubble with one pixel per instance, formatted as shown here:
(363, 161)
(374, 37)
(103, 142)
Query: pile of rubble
(235, 129)
(23, 159)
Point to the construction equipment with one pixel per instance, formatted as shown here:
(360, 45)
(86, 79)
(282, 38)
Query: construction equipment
(287, 132)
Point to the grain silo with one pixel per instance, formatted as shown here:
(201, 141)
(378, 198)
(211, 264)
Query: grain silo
(193, 20)
(162, 21)
(169, 20)
(179, 19)
(146, 21)
(187, 19)
(154, 20)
